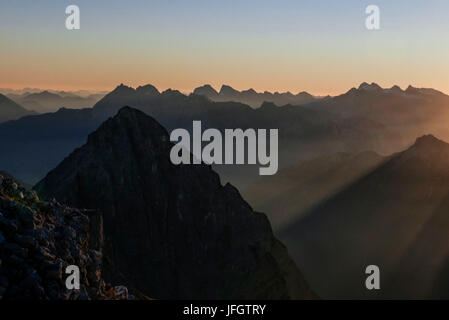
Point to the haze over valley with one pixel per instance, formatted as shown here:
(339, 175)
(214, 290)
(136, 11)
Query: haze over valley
(327, 147)
(332, 119)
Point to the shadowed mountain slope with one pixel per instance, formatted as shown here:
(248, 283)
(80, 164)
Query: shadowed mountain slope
(395, 217)
(172, 231)
(289, 194)
(36, 144)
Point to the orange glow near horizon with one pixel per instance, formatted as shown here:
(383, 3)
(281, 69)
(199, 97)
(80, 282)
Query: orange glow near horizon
(321, 49)
(314, 69)
(108, 88)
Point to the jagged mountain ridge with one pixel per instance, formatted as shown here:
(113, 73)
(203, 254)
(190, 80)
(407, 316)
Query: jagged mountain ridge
(304, 133)
(392, 106)
(253, 98)
(172, 231)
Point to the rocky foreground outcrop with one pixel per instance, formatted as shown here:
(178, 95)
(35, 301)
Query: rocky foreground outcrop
(39, 239)
(171, 231)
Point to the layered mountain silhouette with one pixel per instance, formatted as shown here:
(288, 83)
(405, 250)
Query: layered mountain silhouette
(394, 217)
(411, 112)
(9, 110)
(49, 138)
(171, 231)
(253, 98)
(304, 132)
(337, 207)
(357, 121)
(46, 101)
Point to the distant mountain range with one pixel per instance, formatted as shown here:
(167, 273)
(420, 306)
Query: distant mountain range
(392, 107)
(253, 98)
(46, 101)
(171, 232)
(304, 132)
(343, 199)
(395, 217)
(367, 118)
(9, 110)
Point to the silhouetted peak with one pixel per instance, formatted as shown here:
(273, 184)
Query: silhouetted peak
(411, 89)
(304, 94)
(429, 140)
(352, 91)
(206, 90)
(147, 89)
(227, 90)
(62, 110)
(364, 87)
(171, 92)
(424, 91)
(122, 89)
(126, 118)
(249, 91)
(395, 89)
(370, 87)
(428, 147)
(132, 115)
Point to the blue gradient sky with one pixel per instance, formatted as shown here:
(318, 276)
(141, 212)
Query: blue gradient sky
(320, 46)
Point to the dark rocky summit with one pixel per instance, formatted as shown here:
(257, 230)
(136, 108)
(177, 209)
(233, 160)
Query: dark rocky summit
(171, 231)
(39, 239)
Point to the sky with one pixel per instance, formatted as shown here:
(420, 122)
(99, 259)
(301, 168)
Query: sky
(319, 46)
